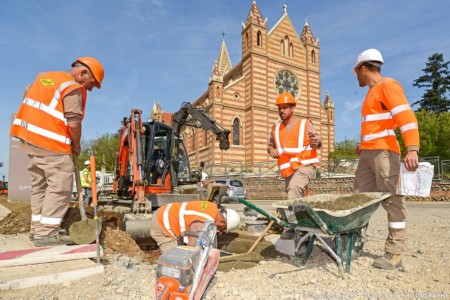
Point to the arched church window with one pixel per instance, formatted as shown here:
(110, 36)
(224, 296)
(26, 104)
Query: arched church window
(236, 133)
(286, 46)
(259, 39)
(291, 50)
(313, 57)
(282, 49)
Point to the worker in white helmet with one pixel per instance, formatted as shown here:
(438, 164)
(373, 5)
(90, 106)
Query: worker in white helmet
(384, 109)
(171, 220)
(86, 183)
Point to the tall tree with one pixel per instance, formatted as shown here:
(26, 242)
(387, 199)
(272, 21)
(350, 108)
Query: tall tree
(436, 82)
(105, 151)
(343, 158)
(434, 133)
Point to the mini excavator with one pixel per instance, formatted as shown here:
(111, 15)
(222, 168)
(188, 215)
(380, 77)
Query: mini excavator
(153, 169)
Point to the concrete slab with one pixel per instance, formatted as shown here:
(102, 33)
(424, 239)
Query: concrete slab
(3, 212)
(49, 273)
(19, 277)
(284, 246)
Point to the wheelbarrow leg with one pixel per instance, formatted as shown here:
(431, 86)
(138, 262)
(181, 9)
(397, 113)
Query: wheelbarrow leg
(349, 251)
(309, 249)
(299, 240)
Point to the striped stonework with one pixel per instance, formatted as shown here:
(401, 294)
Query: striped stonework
(242, 98)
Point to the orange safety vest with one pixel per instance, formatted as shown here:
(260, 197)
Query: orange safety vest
(40, 120)
(293, 147)
(384, 109)
(176, 217)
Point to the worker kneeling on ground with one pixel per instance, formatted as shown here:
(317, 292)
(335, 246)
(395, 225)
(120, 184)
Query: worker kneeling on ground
(170, 220)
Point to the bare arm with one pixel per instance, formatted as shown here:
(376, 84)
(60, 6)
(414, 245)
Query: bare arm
(314, 138)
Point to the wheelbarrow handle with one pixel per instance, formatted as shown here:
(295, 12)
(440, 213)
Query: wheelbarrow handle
(297, 207)
(264, 213)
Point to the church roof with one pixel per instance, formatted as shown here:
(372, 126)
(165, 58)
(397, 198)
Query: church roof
(254, 16)
(222, 64)
(307, 36)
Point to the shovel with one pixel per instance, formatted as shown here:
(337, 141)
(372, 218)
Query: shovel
(84, 231)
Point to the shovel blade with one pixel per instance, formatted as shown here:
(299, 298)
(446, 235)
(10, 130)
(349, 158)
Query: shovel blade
(83, 232)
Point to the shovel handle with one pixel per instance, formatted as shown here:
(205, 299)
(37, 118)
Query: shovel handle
(93, 180)
(78, 183)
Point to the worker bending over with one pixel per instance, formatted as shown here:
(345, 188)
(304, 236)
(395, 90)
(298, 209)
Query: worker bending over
(48, 124)
(293, 141)
(170, 220)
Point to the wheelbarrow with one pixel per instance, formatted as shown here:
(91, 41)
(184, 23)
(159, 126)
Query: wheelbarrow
(316, 223)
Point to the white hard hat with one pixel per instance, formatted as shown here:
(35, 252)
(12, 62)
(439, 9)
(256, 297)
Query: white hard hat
(87, 163)
(372, 55)
(233, 219)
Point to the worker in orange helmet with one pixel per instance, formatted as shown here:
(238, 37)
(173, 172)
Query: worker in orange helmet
(384, 109)
(48, 124)
(294, 142)
(171, 220)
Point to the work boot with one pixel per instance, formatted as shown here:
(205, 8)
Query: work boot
(388, 262)
(53, 241)
(288, 234)
(61, 232)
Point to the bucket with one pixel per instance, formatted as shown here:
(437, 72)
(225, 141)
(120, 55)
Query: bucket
(255, 226)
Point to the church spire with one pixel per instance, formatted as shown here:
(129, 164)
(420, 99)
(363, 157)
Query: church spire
(254, 17)
(307, 36)
(222, 64)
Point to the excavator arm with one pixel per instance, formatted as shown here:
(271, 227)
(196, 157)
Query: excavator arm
(196, 117)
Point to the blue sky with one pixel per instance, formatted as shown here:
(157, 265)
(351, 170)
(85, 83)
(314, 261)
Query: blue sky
(165, 49)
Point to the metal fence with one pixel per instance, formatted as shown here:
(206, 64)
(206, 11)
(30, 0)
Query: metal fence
(328, 169)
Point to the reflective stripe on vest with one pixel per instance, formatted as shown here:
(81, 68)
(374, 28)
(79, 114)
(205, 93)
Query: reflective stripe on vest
(40, 119)
(181, 218)
(301, 137)
(43, 132)
(166, 220)
(293, 158)
(382, 115)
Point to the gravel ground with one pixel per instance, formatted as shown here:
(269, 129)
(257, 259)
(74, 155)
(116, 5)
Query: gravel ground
(426, 274)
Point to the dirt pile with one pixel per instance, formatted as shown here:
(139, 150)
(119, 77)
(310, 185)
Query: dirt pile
(18, 221)
(342, 203)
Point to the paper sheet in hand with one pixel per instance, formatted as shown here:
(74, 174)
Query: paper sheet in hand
(417, 183)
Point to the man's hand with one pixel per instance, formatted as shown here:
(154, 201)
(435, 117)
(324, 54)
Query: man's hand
(411, 161)
(357, 150)
(76, 151)
(274, 153)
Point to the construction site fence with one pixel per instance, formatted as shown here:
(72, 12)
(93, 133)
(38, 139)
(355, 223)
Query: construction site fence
(330, 169)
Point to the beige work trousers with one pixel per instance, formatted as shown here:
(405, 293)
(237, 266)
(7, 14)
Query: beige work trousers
(296, 183)
(378, 171)
(51, 186)
(164, 242)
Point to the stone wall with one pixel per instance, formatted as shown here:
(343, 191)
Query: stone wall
(271, 188)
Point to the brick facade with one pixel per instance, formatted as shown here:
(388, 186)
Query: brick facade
(242, 98)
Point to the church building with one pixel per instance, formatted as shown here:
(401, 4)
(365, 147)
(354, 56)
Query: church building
(242, 97)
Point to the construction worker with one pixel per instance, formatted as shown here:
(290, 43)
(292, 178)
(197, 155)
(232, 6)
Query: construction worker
(384, 109)
(170, 220)
(293, 141)
(86, 184)
(48, 124)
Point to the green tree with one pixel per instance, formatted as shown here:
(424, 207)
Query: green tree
(434, 131)
(105, 149)
(436, 82)
(344, 152)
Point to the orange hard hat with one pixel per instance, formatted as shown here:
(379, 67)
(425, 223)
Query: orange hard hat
(95, 67)
(285, 98)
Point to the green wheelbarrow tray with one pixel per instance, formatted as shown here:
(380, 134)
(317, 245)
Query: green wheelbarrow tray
(299, 213)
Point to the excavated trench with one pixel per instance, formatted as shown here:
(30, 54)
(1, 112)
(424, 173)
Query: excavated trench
(114, 240)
